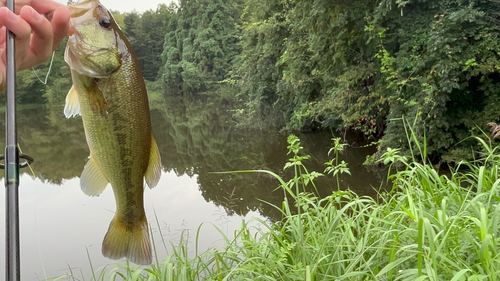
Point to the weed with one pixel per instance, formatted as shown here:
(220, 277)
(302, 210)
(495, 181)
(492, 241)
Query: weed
(428, 227)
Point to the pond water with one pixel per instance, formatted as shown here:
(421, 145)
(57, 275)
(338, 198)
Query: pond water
(62, 228)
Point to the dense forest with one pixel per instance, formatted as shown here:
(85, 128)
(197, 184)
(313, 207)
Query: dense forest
(376, 68)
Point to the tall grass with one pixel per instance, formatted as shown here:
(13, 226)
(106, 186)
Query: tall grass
(428, 227)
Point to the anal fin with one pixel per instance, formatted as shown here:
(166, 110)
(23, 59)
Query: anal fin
(92, 181)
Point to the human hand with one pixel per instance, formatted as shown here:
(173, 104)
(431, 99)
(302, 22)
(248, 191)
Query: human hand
(36, 36)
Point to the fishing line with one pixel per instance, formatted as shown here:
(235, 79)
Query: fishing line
(38, 245)
(29, 166)
(48, 72)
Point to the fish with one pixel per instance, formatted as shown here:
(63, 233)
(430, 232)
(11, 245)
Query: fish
(110, 95)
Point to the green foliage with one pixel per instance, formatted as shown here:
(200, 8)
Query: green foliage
(146, 33)
(57, 145)
(429, 226)
(197, 137)
(59, 78)
(256, 68)
(443, 60)
(309, 61)
(47, 83)
(119, 18)
(308, 64)
(362, 65)
(199, 52)
(333, 166)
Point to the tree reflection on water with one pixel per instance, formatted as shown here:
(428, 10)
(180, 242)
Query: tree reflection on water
(197, 137)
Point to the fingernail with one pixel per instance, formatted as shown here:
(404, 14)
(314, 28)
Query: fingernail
(36, 16)
(12, 16)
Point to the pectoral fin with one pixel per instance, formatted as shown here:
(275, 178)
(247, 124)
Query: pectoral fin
(96, 99)
(92, 181)
(153, 172)
(72, 107)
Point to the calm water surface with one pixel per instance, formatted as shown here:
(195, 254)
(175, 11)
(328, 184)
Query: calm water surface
(60, 224)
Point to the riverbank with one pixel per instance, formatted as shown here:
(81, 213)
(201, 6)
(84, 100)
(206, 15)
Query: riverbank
(429, 227)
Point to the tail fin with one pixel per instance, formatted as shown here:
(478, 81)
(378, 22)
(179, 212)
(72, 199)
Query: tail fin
(134, 244)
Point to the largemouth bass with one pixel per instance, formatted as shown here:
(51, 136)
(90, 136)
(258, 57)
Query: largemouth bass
(109, 92)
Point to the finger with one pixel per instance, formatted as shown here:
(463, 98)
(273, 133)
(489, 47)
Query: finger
(20, 28)
(41, 6)
(2, 36)
(40, 46)
(44, 6)
(60, 25)
(2, 62)
(18, 4)
(14, 23)
(2, 77)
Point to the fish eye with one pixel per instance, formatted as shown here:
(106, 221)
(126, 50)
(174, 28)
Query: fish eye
(104, 22)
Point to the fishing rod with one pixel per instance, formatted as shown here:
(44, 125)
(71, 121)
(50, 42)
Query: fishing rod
(11, 166)
(12, 260)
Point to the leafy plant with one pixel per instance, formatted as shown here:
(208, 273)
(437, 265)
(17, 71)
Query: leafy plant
(333, 166)
(429, 227)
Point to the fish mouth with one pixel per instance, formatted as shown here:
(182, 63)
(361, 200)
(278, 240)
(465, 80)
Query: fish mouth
(90, 51)
(80, 12)
(84, 62)
(81, 8)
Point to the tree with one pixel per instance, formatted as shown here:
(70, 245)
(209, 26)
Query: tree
(367, 65)
(146, 33)
(199, 53)
(441, 62)
(256, 68)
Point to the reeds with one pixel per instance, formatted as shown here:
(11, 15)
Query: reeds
(429, 227)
